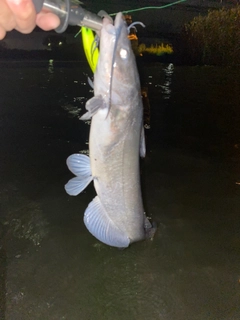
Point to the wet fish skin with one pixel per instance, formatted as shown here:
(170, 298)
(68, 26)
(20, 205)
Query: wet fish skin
(116, 215)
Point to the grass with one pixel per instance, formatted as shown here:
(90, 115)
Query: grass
(213, 39)
(155, 49)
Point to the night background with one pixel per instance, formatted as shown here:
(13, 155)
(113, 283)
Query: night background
(163, 25)
(51, 267)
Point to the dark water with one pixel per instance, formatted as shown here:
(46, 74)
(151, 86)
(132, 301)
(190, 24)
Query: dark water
(51, 266)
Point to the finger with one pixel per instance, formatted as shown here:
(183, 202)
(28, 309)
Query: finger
(24, 13)
(47, 21)
(7, 21)
(2, 33)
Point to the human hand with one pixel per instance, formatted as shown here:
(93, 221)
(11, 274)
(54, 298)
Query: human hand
(21, 15)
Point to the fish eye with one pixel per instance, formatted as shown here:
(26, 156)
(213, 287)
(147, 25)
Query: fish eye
(123, 53)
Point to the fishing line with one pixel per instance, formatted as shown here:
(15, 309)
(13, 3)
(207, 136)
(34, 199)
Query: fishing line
(141, 9)
(151, 7)
(88, 35)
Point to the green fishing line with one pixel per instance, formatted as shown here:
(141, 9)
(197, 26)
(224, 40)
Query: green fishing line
(144, 8)
(152, 7)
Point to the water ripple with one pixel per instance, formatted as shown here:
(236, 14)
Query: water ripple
(129, 284)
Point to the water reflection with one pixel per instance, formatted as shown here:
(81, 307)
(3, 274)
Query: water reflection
(166, 87)
(50, 69)
(150, 80)
(75, 107)
(50, 66)
(85, 151)
(194, 257)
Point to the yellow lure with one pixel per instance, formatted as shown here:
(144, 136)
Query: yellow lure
(88, 39)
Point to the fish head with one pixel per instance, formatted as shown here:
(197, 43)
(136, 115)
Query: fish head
(116, 78)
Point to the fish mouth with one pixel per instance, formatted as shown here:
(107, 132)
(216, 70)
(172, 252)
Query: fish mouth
(114, 28)
(119, 21)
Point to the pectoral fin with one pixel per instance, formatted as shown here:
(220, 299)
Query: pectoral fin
(93, 105)
(78, 164)
(142, 144)
(90, 82)
(77, 185)
(102, 227)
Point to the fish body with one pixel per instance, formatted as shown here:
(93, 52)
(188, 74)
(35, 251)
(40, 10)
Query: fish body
(116, 215)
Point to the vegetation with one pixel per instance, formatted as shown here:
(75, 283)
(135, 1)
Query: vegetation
(213, 39)
(155, 49)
